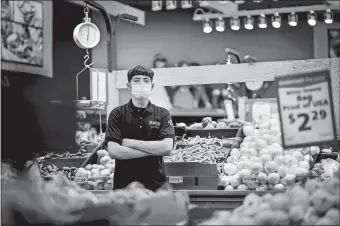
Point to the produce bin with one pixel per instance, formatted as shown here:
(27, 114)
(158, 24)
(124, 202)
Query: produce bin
(92, 159)
(68, 162)
(179, 131)
(95, 183)
(219, 133)
(191, 175)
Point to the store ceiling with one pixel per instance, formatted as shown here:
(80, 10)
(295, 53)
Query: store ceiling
(248, 5)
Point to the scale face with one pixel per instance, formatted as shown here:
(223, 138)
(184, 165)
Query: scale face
(253, 86)
(86, 35)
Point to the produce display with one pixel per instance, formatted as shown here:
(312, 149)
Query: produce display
(62, 155)
(97, 176)
(225, 142)
(208, 123)
(262, 164)
(203, 153)
(69, 172)
(62, 202)
(317, 203)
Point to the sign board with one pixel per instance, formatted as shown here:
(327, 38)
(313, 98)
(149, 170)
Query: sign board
(175, 180)
(80, 180)
(306, 109)
(261, 112)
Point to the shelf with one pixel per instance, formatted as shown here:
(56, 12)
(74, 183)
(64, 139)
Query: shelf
(176, 112)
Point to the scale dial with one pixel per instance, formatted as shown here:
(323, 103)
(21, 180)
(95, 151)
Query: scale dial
(253, 86)
(86, 35)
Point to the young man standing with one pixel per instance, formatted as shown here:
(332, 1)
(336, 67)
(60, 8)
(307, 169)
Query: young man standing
(139, 134)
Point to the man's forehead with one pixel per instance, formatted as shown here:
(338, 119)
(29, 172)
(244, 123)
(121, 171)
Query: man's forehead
(140, 76)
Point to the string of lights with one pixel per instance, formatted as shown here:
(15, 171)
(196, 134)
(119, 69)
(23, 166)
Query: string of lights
(262, 21)
(249, 21)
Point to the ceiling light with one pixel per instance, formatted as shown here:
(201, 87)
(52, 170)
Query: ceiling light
(220, 25)
(328, 16)
(171, 4)
(207, 28)
(186, 4)
(249, 23)
(223, 2)
(292, 19)
(257, 1)
(203, 3)
(262, 21)
(311, 17)
(235, 24)
(276, 20)
(239, 1)
(156, 5)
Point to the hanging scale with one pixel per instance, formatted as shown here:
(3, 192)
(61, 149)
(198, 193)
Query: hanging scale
(86, 34)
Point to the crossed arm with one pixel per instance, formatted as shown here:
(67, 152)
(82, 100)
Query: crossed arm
(119, 148)
(130, 148)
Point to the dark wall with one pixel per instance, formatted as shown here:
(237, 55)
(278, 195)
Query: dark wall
(57, 123)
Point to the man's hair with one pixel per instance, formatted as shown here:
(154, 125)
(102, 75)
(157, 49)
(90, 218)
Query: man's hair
(163, 60)
(140, 70)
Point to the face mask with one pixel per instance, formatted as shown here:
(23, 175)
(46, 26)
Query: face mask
(141, 91)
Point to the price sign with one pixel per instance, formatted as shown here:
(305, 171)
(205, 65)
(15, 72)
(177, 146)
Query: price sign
(80, 180)
(250, 179)
(175, 180)
(306, 109)
(261, 112)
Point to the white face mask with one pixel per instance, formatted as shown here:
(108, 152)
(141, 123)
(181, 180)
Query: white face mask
(141, 91)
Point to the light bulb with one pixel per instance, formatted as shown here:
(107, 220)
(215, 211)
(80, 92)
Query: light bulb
(328, 16)
(292, 19)
(186, 4)
(262, 21)
(239, 2)
(249, 23)
(220, 25)
(276, 20)
(235, 24)
(311, 17)
(171, 4)
(203, 3)
(207, 26)
(156, 5)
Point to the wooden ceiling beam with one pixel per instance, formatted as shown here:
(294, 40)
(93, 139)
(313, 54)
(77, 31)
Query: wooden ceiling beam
(114, 8)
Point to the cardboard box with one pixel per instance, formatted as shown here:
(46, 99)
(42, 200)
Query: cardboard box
(191, 175)
(219, 133)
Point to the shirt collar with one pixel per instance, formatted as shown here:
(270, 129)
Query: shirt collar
(133, 108)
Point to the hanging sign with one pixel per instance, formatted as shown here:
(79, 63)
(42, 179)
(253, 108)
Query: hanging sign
(260, 112)
(306, 109)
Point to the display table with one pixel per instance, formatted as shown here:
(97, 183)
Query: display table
(205, 202)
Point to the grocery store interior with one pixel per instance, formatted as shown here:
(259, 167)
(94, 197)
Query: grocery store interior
(252, 88)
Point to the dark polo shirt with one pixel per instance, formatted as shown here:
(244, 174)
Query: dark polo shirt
(149, 124)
